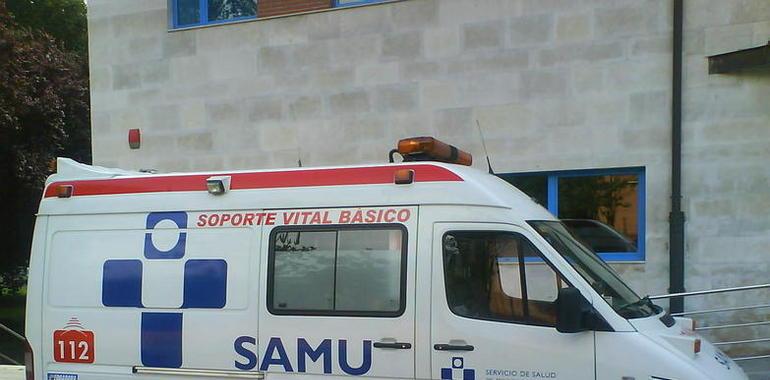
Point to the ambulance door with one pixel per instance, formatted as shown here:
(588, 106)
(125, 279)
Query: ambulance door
(339, 295)
(129, 295)
(493, 309)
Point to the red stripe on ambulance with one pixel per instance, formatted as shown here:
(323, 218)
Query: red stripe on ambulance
(261, 180)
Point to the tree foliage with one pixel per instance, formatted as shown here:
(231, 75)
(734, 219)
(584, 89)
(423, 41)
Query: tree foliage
(64, 20)
(44, 113)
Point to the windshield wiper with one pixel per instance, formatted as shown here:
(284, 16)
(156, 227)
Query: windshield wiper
(645, 301)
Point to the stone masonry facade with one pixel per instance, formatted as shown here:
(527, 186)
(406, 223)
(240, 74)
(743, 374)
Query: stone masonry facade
(553, 84)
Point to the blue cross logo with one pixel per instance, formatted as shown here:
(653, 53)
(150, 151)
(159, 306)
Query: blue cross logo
(458, 366)
(205, 287)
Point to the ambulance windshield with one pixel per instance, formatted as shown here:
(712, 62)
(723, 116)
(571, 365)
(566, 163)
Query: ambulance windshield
(600, 275)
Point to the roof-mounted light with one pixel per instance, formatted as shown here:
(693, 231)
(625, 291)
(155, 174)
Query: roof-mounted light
(218, 185)
(64, 191)
(430, 149)
(403, 176)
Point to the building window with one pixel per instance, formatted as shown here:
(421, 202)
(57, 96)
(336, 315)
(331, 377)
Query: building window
(337, 271)
(605, 209)
(499, 276)
(189, 13)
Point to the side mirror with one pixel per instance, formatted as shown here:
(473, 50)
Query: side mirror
(572, 310)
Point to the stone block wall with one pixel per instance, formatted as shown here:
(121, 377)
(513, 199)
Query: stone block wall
(553, 84)
(726, 177)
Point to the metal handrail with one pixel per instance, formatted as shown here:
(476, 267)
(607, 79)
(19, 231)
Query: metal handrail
(718, 310)
(759, 340)
(9, 359)
(708, 311)
(15, 335)
(713, 291)
(747, 324)
(752, 358)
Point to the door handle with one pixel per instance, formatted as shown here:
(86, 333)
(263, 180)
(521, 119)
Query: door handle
(393, 345)
(453, 347)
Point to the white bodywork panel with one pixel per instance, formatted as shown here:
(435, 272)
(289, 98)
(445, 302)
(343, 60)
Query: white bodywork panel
(174, 284)
(73, 289)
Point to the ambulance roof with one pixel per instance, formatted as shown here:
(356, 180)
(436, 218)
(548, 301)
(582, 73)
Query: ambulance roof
(104, 190)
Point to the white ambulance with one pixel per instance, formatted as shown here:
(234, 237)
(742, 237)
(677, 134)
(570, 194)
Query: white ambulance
(424, 269)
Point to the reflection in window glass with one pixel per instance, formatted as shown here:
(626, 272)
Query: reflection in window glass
(599, 275)
(304, 270)
(231, 9)
(601, 210)
(187, 12)
(333, 272)
(369, 270)
(536, 186)
(542, 283)
(488, 276)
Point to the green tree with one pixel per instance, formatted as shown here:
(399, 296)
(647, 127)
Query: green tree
(44, 113)
(64, 20)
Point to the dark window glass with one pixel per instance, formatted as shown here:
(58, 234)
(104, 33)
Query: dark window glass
(188, 12)
(536, 186)
(602, 211)
(350, 271)
(499, 276)
(599, 275)
(220, 10)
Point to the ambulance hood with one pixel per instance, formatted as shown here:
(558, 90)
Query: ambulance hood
(679, 340)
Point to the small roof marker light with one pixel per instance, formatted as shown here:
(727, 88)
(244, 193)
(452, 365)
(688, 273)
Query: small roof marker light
(218, 185)
(431, 149)
(64, 191)
(403, 176)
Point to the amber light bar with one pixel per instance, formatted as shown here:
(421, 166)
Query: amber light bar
(430, 149)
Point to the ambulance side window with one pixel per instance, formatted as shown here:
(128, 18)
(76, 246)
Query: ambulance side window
(499, 276)
(351, 271)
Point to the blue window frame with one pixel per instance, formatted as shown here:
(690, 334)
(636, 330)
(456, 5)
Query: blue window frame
(188, 13)
(352, 3)
(603, 207)
(191, 13)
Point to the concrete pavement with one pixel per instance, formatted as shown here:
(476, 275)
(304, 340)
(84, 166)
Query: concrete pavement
(757, 369)
(11, 372)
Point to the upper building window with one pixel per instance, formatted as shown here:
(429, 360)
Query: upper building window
(201, 12)
(605, 209)
(188, 13)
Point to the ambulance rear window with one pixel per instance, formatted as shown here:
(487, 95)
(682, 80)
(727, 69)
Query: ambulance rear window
(350, 271)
